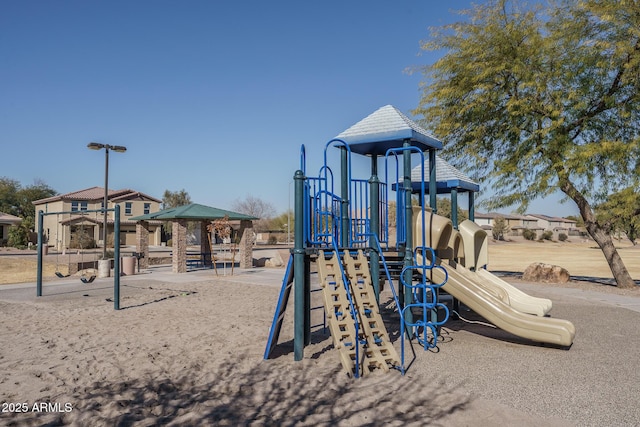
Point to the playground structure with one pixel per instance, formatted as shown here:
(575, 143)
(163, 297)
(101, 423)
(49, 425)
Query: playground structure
(84, 278)
(345, 231)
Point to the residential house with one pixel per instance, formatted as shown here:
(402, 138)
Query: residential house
(6, 221)
(486, 220)
(58, 228)
(535, 222)
(556, 224)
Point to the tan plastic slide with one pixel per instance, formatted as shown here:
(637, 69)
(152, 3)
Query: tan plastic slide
(481, 295)
(542, 329)
(515, 297)
(472, 234)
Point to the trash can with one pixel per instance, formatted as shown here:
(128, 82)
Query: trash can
(129, 265)
(45, 249)
(104, 268)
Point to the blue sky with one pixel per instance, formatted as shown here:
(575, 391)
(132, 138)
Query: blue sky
(208, 96)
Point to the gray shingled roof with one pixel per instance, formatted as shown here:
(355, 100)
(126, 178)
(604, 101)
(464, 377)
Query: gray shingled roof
(386, 128)
(447, 177)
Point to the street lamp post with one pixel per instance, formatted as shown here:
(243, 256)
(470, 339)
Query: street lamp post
(117, 149)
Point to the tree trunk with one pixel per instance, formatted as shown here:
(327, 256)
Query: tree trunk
(600, 235)
(605, 242)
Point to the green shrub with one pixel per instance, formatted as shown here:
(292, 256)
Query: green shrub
(500, 228)
(547, 235)
(81, 239)
(273, 240)
(562, 237)
(529, 234)
(18, 237)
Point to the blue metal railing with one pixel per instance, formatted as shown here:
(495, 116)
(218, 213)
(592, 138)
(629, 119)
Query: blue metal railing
(401, 218)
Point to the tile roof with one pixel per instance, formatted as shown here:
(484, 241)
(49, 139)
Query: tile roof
(95, 194)
(494, 215)
(9, 219)
(386, 128)
(552, 218)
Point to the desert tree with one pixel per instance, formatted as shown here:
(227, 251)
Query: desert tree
(258, 208)
(620, 213)
(445, 207)
(29, 194)
(173, 199)
(9, 189)
(535, 99)
(500, 228)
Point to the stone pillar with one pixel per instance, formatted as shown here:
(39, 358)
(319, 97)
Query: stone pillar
(179, 239)
(247, 238)
(205, 247)
(142, 242)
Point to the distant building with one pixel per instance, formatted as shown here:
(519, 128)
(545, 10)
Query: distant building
(554, 223)
(535, 222)
(6, 221)
(57, 229)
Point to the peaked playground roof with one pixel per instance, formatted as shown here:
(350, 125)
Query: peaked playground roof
(447, 177)
(387, 128)
(193, 211)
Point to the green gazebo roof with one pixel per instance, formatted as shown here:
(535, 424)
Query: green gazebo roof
(193, 211)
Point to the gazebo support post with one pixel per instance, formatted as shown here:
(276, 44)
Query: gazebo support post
(246, 243)
(179, 240)
(142, 243)
(205, 248)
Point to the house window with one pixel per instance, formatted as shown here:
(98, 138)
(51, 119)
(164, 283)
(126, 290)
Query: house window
(127, 208)
(1, 232)
(78, 206)
(147, 208)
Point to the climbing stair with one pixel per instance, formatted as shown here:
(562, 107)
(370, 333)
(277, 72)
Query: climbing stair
(377, 352)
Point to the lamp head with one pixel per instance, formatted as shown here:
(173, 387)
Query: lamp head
(118, 148)
(95, 146)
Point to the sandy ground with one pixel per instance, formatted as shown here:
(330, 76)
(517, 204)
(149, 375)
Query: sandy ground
(188, 350)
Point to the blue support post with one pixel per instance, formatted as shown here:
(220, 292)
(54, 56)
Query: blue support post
(454, 207)
(433, 191)
(408, 250)
(345, 233)
(374, 257)
(472, 208)
(40, 243)
(307, 301)
(116, 255)
(298, 268)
